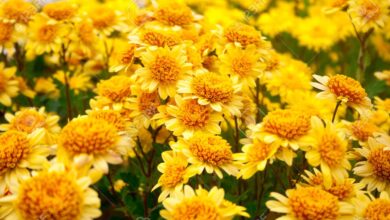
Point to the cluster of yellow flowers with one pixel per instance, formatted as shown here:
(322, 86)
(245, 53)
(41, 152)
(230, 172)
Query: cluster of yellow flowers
(191, 99)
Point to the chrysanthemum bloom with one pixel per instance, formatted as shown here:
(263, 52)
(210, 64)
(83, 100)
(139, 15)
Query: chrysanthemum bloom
(242, 35)
(155, 36)
(173, 13)
(287, 128)
(345, 89)
(187, 116)
(309, 203)
(47, 87)
(361, 130)
(83, 37)
(369, 207)
(19, 153)
(217, 90)
(344, 189)
(328, 149)
(18, 11)
(30, 119)
(123, 57)
(242, 63)
(7, 35)
(175, 173)
(61, 10)
(255, 156)
(106, 19)
(44, 36)
(368, 14)
(77, 81)
(91, 141)
(207, 152)
(163, 68)
(57, 193)
(191, 204)
(8, 85)
(115, 89)
(375, 168)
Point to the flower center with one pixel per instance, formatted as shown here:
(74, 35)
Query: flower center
(6, 30)
(346, 87)
(259, 151)
(313, 203)
(174, 14)
(111, 116)
(88, 135)
(377, 210)
(14, 146)
(19, 10)
(287, 123)
(128, 55)
(210, 149)
(242, 66)
(47, 33)
(159, 39)
(213, 87)
(196, 208)
(85, 33)
(380, 160)
(369, 11)
(60, 10)
(339, 3)
(148, 103)
(331, 149)
(173, 174)
(363, 129)
(243, 34)
(165, 70)
(27, 121)
(117, 88)
(342, 191)
(103, 17)
(194, 115)
(49, 196)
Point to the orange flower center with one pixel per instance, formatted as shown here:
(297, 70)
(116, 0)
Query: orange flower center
(243, 34)
(194, 115)
(103, 17)
(19, 10)
(148, 103)
(287, 124)
(369, 11)
(6, 30)
(27, 121)
(363, 129)
(377, 210)
(117, 88)
(174, 14)
(14, 146)
(85, 33)
(259, 151)
(128, 55)
(346, 87)
(165, 69)
(60, 10)
(173, 174)
(380, 160)
(342, 191)
(47, 33)
(331, 149)
(213, 87)
(196, 208)
(159, 39)
(50, 196)
(111, 116)
(313, 203)
(242, 66)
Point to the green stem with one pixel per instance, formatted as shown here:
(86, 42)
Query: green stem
(335, 110)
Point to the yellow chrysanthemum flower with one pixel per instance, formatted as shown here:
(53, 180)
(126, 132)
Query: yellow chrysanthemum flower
(207, 152)
(278, 19)
(242, 35)
(7, 35)
(361, 130)
(78, 81)
(92, 141)
(309, 203)
(175, 173)
(56, 193)
(219, 91)
(122, 57)
(115, 89)
(369, 207)
(155, 36)
(375, 167)
(60, 10)
(187, 116)
(83, 37)
(191, 204)
(9, 87)
(47, 87)
(20, 153)
(328, 149)
(173, 13)
(163, 68)
(18, 11)
(107, 19)
(368, 14)
(345, 89)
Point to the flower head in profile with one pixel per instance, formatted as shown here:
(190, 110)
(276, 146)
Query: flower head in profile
(58, 192)
(375, 166)
(345, 89)
(187, 116)
(8, 85)
(368, 14)
(218, 91)
(309, 203)
(190, 204)
(20, 153)
(175, 173)
(207, 152)
(327, 148)
(369, 207)
(163, 68)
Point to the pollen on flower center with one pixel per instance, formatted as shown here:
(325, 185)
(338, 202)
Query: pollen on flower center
(174, 14)
(60, 10)
(165, 69)
(128, 55)
(215, 88)
(377, 210)
(241, 66)
(243, 34)
(50, 196)
(88, 135)
(159, 39)
(117, 88)
(346, 87)
(331, 149)
(19, 10)
(173, 175)
(194, 115)
(342, 191)
(27, 121)
(259, 151)
(210, 149)
(195, 208)
(363, 129)
(287, 123)
(111, 116)
(14, 146)
(380, 160)
(148, 103)
(47, 33)
(313, 203)
(6, 30)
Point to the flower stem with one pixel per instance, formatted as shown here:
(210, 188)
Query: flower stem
(335, 110)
